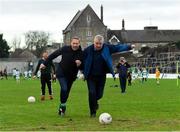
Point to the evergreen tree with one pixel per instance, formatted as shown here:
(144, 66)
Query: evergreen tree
(4, 48)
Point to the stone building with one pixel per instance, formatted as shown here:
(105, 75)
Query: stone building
(85, 24)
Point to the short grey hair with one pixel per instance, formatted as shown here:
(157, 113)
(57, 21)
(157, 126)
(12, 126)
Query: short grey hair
(75, 37)
(99, 38)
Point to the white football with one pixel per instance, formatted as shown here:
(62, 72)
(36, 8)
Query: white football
(31, 99)
(105, 118)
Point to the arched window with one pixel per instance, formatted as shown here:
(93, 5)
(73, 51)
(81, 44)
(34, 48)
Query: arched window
(88, 18)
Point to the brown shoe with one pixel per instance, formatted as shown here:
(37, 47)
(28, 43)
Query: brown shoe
(42, 98)
(50, 97)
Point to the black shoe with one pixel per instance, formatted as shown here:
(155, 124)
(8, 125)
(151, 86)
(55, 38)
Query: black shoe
(93, 115)
(62, 110)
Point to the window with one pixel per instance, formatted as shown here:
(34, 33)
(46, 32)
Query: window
(88, 33)
(88, 18)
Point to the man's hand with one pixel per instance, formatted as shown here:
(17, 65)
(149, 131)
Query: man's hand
(133, 49)
(78, 63)
(42, 66)
(81, 76)
(54, 76)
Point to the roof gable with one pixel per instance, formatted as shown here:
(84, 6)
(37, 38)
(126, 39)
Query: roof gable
(73, 21)
(78, 15)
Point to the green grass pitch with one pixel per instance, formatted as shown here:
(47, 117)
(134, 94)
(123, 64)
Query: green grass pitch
(144, 107)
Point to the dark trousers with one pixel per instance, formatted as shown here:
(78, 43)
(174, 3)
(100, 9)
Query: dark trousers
(5, 76)
(46, 79)
(65, 88)
(144, 79)
(129, 82)
(95, 88)
(122, 80)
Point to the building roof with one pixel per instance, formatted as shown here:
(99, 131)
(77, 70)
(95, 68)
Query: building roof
(76, 17)
(147, 35)
(27, 54)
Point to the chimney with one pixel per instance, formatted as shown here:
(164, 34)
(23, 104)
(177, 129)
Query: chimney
(123, 24)
(102, 13)
(1, 36)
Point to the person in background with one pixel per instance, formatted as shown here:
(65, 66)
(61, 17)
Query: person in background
(25, 74)
(45, 75)
(29, 74)
(5, 73)
(17, 76)
(157, 75)
(14, 73)
(1, 75)
(122, 68)
(129, 78)
(139, 74)
(144, 74)
(39, 74)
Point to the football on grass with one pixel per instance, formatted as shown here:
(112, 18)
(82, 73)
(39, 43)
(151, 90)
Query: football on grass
(105, 118)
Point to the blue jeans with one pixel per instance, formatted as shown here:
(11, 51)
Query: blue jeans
(95, 88)
(65, 85)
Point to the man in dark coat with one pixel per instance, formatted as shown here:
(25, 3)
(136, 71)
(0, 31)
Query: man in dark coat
(122, 68)
(98, 62)
(67, 69)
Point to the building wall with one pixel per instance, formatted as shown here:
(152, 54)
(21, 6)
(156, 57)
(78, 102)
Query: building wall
(66, 38)
(21, 66)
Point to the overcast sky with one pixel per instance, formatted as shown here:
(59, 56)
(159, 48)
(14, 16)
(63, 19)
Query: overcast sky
(19, 16)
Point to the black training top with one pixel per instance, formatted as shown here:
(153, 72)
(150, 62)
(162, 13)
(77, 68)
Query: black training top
(67, 66)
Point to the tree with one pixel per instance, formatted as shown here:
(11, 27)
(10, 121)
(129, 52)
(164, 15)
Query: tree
(36, 41)
(16, 43)
(4, 48)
